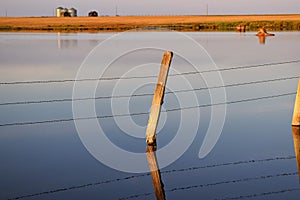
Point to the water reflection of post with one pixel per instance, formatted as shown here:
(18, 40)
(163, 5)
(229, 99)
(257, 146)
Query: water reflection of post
(262, 39)
(65, 43)
(155, 173)
(296, 136)
(262, 34)
(296, 127)
(58, 40)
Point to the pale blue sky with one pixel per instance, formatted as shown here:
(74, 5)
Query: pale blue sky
(150, 7)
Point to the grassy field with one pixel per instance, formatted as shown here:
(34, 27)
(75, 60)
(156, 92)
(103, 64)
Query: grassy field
(179, 23)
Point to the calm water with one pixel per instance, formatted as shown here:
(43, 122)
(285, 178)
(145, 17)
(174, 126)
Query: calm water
(46, 158)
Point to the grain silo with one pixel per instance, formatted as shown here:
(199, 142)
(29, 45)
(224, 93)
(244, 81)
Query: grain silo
(58, 11)
(64, 12)
(72, 12)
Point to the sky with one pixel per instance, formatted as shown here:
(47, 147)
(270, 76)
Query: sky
(150, 7)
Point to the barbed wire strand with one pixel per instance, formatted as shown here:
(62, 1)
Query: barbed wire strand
(214, 184)
(230, 164)
(278, 158)
(146, 94)
(148, 76)
(143, 113)
(238, 68)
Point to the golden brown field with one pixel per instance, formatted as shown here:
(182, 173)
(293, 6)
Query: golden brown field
(128, 22)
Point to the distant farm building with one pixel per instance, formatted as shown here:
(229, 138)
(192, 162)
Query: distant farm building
(65, 12)
(93, 14)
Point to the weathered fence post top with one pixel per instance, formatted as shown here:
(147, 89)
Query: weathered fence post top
(296, 115)
(158, 97)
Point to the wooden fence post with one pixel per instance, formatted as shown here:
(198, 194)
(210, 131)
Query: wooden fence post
(296, 137)
(296, 115)
(158, 97)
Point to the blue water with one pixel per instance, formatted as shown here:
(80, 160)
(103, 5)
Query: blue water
(45, 160)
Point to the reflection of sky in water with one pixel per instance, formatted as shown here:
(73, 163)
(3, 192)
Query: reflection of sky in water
(46, 157)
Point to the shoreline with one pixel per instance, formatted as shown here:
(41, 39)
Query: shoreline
(280, 22)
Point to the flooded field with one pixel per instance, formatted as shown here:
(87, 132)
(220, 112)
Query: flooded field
(74, 110)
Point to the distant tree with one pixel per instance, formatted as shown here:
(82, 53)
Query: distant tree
(93, 14)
